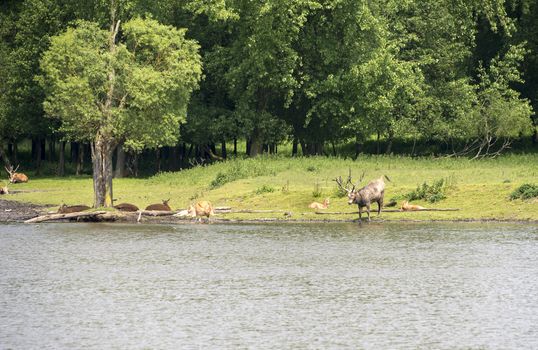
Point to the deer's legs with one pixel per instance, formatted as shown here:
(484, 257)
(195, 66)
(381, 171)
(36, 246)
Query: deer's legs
(360, 214)
(379, 206)
(368, 211)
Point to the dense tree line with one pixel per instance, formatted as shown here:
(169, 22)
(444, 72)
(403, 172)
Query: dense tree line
(316, 73)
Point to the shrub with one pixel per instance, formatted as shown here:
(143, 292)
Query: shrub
(317, 192)
(286, 188)
(525, 191)
(265, 189)
(432, 193)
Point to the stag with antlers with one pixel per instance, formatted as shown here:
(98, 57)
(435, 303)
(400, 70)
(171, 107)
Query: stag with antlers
(364, 197)
(15, 177)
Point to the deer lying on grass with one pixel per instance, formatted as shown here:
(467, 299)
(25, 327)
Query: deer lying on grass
(317, 205)
(4, 190)
(364, 197)
(160, 207)
(65, 209)
(410, 207)
(15, 177)
(126, 207)
(202, 208)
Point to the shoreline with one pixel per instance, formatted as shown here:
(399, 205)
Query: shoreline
(12, 211)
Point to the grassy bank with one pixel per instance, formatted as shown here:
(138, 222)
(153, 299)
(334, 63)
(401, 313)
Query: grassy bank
(480, 189)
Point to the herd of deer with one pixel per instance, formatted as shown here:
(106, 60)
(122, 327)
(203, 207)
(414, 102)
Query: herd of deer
(199, 209)
(373, 192)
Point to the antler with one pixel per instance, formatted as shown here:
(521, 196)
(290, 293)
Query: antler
(17, 168)
(348, 182)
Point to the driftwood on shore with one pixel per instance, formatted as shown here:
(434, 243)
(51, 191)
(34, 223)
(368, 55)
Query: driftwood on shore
(49, 217)
(387, 211)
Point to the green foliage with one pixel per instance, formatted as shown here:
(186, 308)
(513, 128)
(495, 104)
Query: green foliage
(264, 189)
(318, 191)
(525, 191)
(431, 193)
(237, 170)
(136, 91)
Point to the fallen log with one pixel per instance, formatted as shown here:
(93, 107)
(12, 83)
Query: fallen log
(386, 211)
(49, 217)
(157, 212)
(255, 211)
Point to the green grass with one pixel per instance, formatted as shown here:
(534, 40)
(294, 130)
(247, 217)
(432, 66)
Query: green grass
(481, 189)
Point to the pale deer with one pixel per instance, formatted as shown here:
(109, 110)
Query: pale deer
(202, 208)
(317, 205)
(374, 192)
(410, 207)
(4, 190)
(65, 209)
(15, 177)
(160, 207)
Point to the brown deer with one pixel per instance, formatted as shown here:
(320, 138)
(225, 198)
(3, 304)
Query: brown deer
(126, 207)
(65, 209)
(317, 205)
(4, 190)
(15, 177)
(410, 207)
(364, 197)
(203, 208)
(160, 207)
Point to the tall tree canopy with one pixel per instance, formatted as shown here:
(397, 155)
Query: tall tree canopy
(111, 87)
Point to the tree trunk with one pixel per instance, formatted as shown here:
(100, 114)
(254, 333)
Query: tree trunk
(38, 151)
(304, 149)
(158, 159)
(235, 147)
(80, 159)
(223, 151)
(61, 160)
(378, 143)
(34, 147)
(4, 156)
(294, 148)
(358, 147)
(389, 146)
(120, 162)
(52, 146)
(43, 149)
(74, 152)
(15, 152)
(102, 150)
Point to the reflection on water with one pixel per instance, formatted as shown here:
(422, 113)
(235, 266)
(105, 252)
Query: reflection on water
(269, 286)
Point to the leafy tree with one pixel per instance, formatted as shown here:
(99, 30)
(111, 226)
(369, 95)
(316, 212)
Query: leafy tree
(500, 113)
(110, 89)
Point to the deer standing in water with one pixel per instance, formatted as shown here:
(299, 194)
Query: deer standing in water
(317, 205)
(15, 177)
(161, 207)
(364, 197)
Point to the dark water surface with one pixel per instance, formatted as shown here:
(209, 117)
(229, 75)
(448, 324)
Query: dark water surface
(397, 286)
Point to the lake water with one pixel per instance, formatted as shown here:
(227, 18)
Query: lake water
(389, 286)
